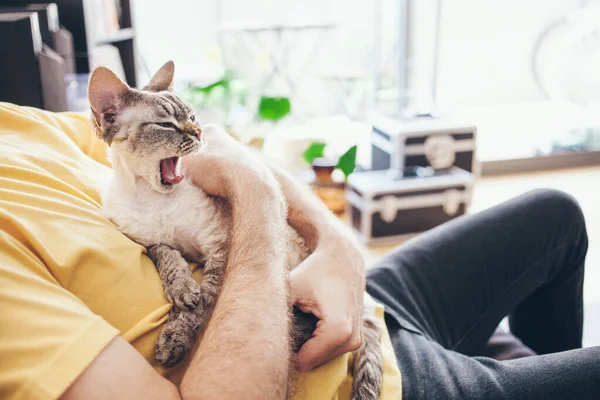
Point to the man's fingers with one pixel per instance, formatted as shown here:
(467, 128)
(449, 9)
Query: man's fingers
(334, 335)
(312, 354)
(331, 339)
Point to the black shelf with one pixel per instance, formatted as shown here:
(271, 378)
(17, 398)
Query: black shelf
(73, 15)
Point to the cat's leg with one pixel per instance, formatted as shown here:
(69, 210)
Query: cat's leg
(177, 337)
(180, 331)
(214, 270)
(178, 282)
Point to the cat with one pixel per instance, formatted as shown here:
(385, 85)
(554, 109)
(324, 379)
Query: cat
(151, 202)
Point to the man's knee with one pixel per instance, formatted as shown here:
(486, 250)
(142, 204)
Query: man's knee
(558, 203)
(562, 208)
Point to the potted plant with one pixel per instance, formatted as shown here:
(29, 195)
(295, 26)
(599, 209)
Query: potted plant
(329, 188)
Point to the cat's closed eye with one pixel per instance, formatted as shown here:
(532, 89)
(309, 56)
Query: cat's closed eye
(166, 125)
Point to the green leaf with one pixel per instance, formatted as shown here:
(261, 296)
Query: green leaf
(224, 83)
(273, 108)
(347, 161)
(314, 150)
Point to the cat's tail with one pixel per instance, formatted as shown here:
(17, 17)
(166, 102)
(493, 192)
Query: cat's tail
(368, 359)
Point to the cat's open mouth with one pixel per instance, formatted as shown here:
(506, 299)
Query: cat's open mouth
(168, 171)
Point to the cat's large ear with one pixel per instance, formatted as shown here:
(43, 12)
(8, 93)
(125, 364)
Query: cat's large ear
(105, 91)
(163, 79)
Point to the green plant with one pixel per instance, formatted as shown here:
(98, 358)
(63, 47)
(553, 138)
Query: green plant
(273, 108)
(224, 83)
(315, 150)
(230, 91)
(225, 93)
(346, 163)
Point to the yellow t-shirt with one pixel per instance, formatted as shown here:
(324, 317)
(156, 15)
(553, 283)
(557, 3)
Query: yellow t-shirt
(70, 281)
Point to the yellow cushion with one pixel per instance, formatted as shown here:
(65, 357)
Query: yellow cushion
(69, 280)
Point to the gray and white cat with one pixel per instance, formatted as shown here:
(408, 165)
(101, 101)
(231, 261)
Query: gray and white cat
(151, 202)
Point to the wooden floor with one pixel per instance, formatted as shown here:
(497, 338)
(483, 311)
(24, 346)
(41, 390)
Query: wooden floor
(584, 185)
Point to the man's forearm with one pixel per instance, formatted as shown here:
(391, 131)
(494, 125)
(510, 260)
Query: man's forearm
(244, 352)
(307, 214)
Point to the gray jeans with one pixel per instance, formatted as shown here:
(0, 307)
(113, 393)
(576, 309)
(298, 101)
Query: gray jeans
(446, 291)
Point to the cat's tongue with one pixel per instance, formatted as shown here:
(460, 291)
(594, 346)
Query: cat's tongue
(168, 170)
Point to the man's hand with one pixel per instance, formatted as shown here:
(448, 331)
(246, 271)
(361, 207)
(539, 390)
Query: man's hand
(329, 284)
(226, 168)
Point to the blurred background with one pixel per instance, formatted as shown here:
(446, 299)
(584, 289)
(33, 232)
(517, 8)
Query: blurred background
(525, 72)
(369, 101)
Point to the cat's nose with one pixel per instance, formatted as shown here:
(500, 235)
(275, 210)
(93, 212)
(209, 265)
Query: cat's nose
(197, 132)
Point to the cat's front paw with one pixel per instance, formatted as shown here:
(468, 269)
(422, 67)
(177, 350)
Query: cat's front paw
(184, 293)
(173, 344)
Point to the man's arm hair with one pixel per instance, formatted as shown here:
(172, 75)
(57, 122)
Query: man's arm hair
(245, 351)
